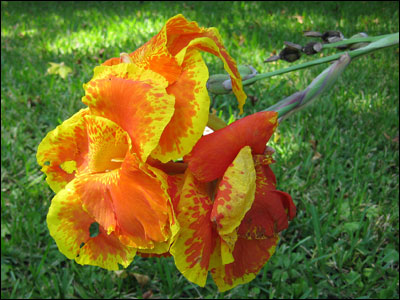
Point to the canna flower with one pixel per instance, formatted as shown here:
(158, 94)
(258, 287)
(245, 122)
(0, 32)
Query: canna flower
(146, 107)
(227, 205)
(99, 180)
(173, 54)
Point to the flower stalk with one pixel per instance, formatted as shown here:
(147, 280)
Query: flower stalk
(321, 83)
(383, 42)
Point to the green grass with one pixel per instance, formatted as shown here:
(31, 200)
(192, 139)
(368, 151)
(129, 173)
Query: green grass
(344, 242)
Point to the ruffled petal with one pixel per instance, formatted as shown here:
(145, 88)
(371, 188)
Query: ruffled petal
(141, 108)
(63, 151)
(196, 239)
(131, 202)
(191, 110)
(69, 225)
(165, 52)
(214, 152)
(249, 257)
(183, 35)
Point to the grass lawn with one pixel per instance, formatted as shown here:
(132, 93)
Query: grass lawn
(338, 158)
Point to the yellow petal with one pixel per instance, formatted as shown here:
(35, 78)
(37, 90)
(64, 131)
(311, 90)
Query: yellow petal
(63, 151)
(69, 225)
(191, 110)
(196, 239)
(235, 196)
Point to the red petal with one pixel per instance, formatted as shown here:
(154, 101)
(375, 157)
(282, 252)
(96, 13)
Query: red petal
(214, 152)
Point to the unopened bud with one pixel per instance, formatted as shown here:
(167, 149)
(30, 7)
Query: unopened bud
(247, 72)
(330, 36)
(125, 58)
(220, 84)
(312, 48)
(215, 84)
(358, 45)
(290, 53)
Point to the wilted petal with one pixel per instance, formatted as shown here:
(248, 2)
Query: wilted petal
(69, 225)
(214, 152)
(196, 239)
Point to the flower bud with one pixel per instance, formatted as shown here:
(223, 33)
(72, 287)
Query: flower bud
(330, 36)
(221, 83)
(215, 84)
(247, 71)
(312, 48)
(125, 58)
(290, 53)
(358, 45)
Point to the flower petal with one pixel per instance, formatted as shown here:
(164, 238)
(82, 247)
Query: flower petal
(214, 152)
(128, 201)
(183, 35)
(107, 142)
(191, 110)
(141, 108)
(196, 239)
(250, 256)
(235, 196)
(69, 225)
(63, 151)
(166, 51)
(271, 209)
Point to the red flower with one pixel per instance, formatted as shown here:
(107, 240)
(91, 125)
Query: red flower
(227, 205)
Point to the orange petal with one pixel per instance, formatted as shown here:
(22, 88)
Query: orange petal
(108, 144)
(141, 108)
(196, 239)
(183, 35)
(64, 150)
(191, 110)
(250, 256)
(81, 144)
(214, 152)
(165, 52)
(69, 225)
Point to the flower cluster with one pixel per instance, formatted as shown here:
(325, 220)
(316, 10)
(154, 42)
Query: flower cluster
(133, 173)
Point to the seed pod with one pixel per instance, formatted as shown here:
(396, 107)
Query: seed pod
(312, 48)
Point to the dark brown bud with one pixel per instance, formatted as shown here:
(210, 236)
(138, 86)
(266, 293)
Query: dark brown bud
(290, 53)
(312, 48)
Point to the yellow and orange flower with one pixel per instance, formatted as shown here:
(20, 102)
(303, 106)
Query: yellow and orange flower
(91, 164)
(226, 203)
(173, 54)
(149, 106)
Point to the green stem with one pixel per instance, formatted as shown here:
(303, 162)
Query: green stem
(386, 41)
(369, 39)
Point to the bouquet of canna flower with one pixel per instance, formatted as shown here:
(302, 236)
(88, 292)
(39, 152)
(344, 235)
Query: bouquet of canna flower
(135, 172)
